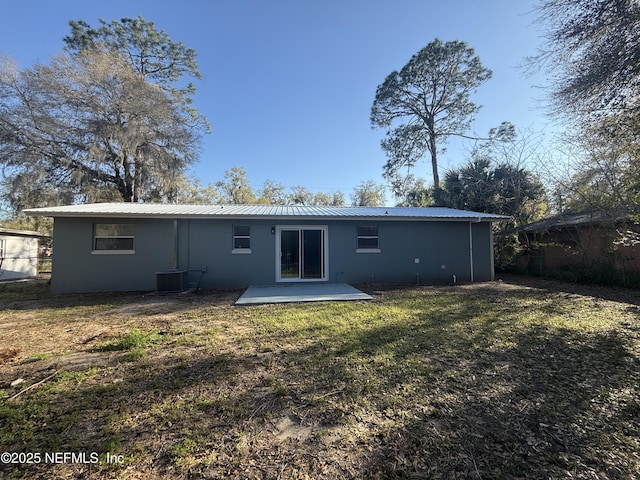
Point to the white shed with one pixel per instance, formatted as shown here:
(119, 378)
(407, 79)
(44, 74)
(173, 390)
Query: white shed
(18, 254)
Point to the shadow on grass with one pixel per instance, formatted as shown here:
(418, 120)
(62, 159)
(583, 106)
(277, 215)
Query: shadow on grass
(130, 410)
(36, 296)
(475, 394)
(615, 294)
(429, 384)
(555, 404)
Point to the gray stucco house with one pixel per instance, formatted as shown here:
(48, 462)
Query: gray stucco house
(120, 246)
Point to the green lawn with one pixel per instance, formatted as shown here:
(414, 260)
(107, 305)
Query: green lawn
(498, 380)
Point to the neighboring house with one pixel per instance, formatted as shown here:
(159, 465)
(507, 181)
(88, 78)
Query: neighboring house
(18, 254)
(588, 239)
(123, 246)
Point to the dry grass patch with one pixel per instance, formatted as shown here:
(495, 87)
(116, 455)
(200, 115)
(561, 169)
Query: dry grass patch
(499, 380)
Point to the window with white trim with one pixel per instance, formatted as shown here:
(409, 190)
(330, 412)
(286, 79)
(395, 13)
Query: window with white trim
(113, 238)
(2, 247)
(241, 239)
(367, 240)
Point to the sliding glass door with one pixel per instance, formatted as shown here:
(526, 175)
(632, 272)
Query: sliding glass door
(289, 254)
(302, 253)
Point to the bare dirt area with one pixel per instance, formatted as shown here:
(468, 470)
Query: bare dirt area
(55, 325)
(518, 378)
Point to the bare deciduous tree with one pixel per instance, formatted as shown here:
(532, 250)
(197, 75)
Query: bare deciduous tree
(592, 51)
(86, 127)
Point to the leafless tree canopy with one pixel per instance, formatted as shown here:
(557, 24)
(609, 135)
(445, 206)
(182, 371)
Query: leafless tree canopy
(88, 127)
(592, 50)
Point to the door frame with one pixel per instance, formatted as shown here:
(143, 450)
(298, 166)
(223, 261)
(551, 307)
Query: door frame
(324, 253)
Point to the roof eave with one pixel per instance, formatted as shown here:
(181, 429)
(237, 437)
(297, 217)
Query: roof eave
(22, 233)
(169, 216)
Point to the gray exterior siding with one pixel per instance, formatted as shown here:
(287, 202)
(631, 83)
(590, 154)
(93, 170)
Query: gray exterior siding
(204, 248)
(440, 248)
(207, 244)
(76, 269)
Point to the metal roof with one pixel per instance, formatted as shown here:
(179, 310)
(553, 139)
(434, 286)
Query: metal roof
(154, 210)
(22, 233)
(576, 219)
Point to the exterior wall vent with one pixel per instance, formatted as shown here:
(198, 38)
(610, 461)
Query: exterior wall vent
(171, 281)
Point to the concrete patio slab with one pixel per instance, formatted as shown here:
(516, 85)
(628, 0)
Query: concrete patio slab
(301, 292)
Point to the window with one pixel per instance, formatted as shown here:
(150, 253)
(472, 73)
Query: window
(2, 248)
(367, 240)
(241, 239)
(113, 238)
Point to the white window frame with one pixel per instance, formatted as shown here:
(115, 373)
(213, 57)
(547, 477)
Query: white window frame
(95, 236)
(377, 237)
(324, 253)
(240, 251)
(3, 245)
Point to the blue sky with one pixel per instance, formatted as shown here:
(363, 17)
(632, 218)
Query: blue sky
(288, 85)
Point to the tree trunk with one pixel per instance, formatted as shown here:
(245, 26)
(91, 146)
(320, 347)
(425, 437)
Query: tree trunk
(434, 161)
(120, 183)
(137, 179)
(433, 150)
(128, 179)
